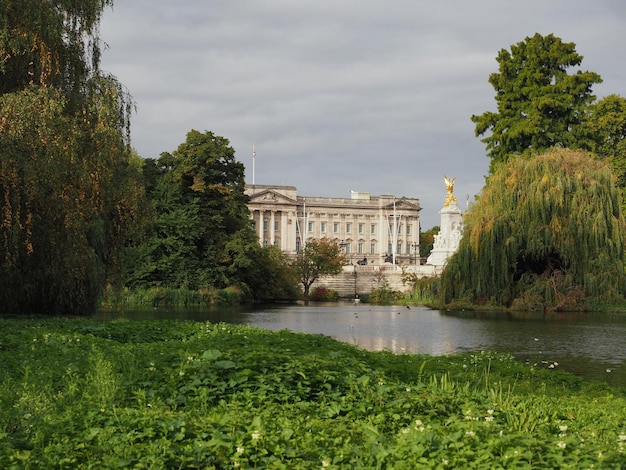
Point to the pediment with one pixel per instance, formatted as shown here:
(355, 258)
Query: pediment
(270, 196)
(403, 204)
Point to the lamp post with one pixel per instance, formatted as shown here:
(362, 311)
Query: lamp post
(415, 246)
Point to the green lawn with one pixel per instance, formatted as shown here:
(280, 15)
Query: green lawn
(164, 394)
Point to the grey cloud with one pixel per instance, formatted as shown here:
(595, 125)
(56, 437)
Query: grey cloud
(368, 95)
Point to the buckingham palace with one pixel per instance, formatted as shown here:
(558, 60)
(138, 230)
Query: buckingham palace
(372, 229)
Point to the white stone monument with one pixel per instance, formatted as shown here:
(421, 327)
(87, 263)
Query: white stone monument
(451, 229)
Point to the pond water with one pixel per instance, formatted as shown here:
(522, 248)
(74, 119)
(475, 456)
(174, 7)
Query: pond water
(590, 345)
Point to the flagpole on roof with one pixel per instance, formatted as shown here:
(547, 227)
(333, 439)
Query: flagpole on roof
(253, 161)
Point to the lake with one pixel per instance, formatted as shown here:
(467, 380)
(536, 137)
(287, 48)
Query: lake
(590, 345)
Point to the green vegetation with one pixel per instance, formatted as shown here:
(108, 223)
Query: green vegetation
(546, 233)
(84, 394)
(427, 241)
(539, 104)
(199, 237)
(384, 294)
(69, 183)
(318, 258)
(324, 294)
(424, 290)
(606, 126)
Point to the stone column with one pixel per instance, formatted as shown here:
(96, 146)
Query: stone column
(272, 234)
(283, 231)
(260, 227)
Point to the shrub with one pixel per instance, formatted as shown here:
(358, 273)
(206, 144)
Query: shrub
(324, 294)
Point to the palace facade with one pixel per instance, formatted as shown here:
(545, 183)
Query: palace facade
(372, 229)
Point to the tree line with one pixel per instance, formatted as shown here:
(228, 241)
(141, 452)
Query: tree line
(83, 216)
(82, 213)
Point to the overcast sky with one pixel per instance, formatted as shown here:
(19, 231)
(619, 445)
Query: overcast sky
(339, 95)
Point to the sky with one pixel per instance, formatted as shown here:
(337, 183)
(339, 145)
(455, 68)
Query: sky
(341, 95)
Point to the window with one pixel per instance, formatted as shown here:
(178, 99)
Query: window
(348, 248)
(373, 249)
(408, 229)
(408, 248)
(336, 227)
(310, 226)
(373, 229)
(360, 248)
(276, 225)
(399, 248)
(361, 228)
(265, 225)
(348, 227)
(297, 246)
(323, 227)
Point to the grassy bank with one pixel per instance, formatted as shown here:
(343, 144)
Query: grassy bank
(83, 394)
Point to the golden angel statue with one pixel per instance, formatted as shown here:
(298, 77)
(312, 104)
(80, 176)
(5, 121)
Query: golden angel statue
(450, 198)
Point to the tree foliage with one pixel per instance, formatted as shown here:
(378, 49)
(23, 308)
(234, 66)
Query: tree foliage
(427, 241)
(265, 273)
(197, 195)
(68, 181)
(547, 232)
(318, 258)
(539, 104)
(201, 236)
(606, 123)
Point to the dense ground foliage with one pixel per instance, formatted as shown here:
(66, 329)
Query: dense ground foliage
(86, 394)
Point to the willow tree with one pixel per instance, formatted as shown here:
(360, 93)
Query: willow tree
(68, 192)
(546, 233)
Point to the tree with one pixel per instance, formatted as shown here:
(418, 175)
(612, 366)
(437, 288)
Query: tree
(197, 195)
(69, 187)
(264, 273)
(547, 232)
(318, 258)
(427, 241)
(539, 105)
(606, 123)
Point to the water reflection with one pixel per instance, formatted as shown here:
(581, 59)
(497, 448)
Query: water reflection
(592, 345)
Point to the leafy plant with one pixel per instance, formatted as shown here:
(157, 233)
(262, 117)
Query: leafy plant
(80, 393)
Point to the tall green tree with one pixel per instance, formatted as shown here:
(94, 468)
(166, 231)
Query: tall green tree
(539, 104)
(68, 180)
(547, 232)
(318, 258)
(197, 194)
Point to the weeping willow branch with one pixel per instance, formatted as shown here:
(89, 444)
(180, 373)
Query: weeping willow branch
(547, 232)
